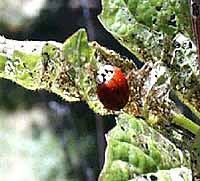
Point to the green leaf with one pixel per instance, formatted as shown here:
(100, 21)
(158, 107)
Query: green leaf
(158, 31)
(195, 156)
(144, 27)
(69, 70)
(65, 69)
(182, 173)
(135, 148)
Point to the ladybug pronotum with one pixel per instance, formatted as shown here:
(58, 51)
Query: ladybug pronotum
(112, 89)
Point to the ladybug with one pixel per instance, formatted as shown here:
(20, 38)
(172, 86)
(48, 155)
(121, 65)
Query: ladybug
(112, 89)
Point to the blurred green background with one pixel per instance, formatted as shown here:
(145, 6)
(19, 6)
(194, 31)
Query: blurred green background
(42, 137)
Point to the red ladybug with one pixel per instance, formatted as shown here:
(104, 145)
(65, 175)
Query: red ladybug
(112, 89)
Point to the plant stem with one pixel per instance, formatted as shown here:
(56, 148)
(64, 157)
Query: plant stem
(185, 123)
(188, 104)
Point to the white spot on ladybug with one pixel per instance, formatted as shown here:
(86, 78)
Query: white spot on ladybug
(105, 74)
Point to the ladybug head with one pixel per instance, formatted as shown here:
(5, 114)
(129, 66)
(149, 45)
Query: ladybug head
(105, 74)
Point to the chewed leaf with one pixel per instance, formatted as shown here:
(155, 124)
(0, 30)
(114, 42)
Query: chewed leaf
(106, 56)
(146, 28)
(157, 31)
(185, 72)
(182, 174)
(67, 69)
(161, 15)
(195, 156)
(135, 148)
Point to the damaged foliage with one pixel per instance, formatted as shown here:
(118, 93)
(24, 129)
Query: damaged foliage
(158, 33)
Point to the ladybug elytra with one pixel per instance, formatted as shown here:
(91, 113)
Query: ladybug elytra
(112, 89)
